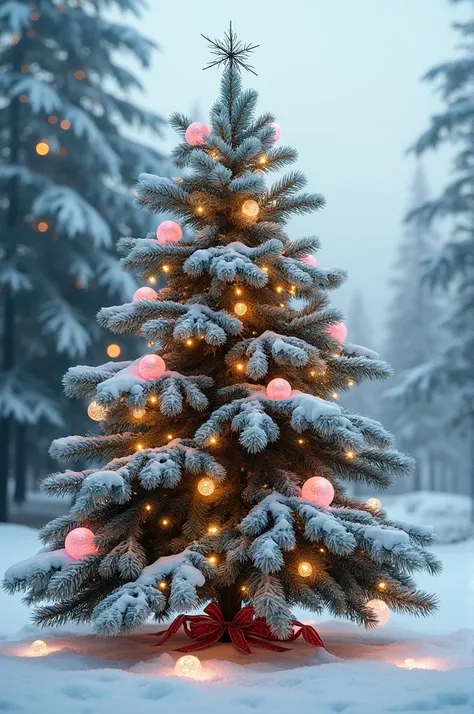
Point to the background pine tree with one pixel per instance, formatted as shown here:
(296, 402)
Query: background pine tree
(67, 173)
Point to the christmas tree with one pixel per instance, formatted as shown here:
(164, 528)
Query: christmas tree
(223, 450)
(66, 183)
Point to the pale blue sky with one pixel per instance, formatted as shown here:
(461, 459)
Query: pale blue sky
(343, 78)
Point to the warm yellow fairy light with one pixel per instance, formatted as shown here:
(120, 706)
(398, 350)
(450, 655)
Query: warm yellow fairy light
(169, 437)
(250, 208)
(165, 522)
(153, 399)
(212, 560)
(300, 441)
(188, 666)
(152, 280)
(148, 506)
(113, 350)
(243, 589)
(200, 210)
(240, 366)
(166, 268)
(52, 119)
(163, 585)
(322, 550)
(374, 504)
(213, 530)
(305, 569)
(189, 343)
(350, 455)
(350, 383)
(42, 148)
(335, 395)
(382, 585)
(262, 160)
(240, 308)
(206, 487)
(279, 289)
(79, 74)
(238, 291)
(139, 446)
(282, 304)
(65, 124)
(42, 226)
(213, 440)
(265, 268)
(138, 412)
(38, 648)
(150, 344)
(96, 411)
(409, 663)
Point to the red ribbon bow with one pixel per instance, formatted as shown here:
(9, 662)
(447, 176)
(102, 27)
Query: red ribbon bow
(244, 630)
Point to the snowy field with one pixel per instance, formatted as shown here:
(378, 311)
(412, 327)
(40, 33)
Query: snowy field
(361, 673)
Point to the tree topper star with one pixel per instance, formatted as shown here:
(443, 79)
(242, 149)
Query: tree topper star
(230, 51)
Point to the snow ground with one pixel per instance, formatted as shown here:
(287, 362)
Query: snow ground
(362, 672)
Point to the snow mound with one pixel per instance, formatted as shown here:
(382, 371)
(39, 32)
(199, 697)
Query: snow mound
(448, 513)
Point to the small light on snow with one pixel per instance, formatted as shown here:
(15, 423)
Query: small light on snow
(374, 504)
(188, 666)
(409, 663)
(38, 648)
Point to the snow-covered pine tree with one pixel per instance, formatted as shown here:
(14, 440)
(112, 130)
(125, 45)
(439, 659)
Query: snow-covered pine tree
(66, 180)
(205, 489)
(451, 372)
(413, 339)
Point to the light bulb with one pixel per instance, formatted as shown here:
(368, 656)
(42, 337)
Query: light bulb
(374, 504)
(38, 648)
(113, 351)
(335, 395)
(153, 399)
(250, 208)
(279, 289)
(382, 585)
(42, 226)
(148, 507)
(200, 210)
(139, 446)
(206, 487)
(300, 441)
(188, 666)
(96, 411)
(42, 148)
(243, 589)
(165, 522)
(212, 559)
(213, 530)
(152, 280)
(213, 440)
(240, 366)
(350, 383)
(240, 308)
(238, 291)
(65, 124)
(138, 412)
(262, 160)
(166, 268)
(163, 585)
(189, 343)
(350, 455)
(305, 569)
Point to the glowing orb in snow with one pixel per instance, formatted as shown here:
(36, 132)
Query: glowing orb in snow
(188, 666)
(151, 367)
(79, 543)
(169, 232)
(318, 490)
(278, 389)
(38, 648)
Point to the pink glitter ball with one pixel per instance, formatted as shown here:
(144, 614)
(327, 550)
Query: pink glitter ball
(79, 543)
(151, 367)
(169, 232)
(338, 331)
(310, 260)
(144, 294)
(276, 129)
(318, 490)
(196, 133)
(278, 389)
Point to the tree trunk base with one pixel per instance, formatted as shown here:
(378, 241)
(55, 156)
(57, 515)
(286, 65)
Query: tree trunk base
(230, 602)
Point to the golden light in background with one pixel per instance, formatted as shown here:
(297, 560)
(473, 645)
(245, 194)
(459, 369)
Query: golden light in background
(350, 383)
(52, 119)
(305, 569)
(279, 289)
(79, 74)
(240, 366)
(213, 529)
(42, 226)
(139, 447)
(374, 504)
(350, 455)
(65, 124)
(148, 507)
(23, 98)
(163, 585)
(262, 160)
(243, 589)
(42, 148)
(240, 308)
(138, 412)
(165, 522)
(166, 268)
(200, 210)
(238, 291)
(300, 441)
(250, 208)
(169, 437)
(189, 342)
(382, 585)
(212, 559)
(96, 411)
(153, 399)
(113, 350)
(265, 268)
(206, 487)
(152, 280)
(213, 440)
(335, 395)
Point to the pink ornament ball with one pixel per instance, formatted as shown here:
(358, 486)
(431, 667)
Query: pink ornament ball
(310, 260)
(338, 331)
(79, 543)
(196, 133)
(169, 232)
(276, 130)
(278, 389)
(144, 294)
(151, 367)
(318, 490)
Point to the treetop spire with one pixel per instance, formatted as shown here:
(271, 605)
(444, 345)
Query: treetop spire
(230, 51)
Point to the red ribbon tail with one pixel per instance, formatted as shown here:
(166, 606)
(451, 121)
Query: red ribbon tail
(202, 644)
(172, 630)
(238, 639)
(257, 642)
(308, 633)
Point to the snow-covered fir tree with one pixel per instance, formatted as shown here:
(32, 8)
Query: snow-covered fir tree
(223, 448)
(66, 180)
(413, 338)
(450, 374)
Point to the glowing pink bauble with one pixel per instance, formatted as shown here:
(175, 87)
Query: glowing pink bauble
(318, 490)
(144, 294)
(276, 130)
(278, 389)
(169, 232)
(196, 133)
(151, 367)
(310, 260)
(79, 543)
(338, 331)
